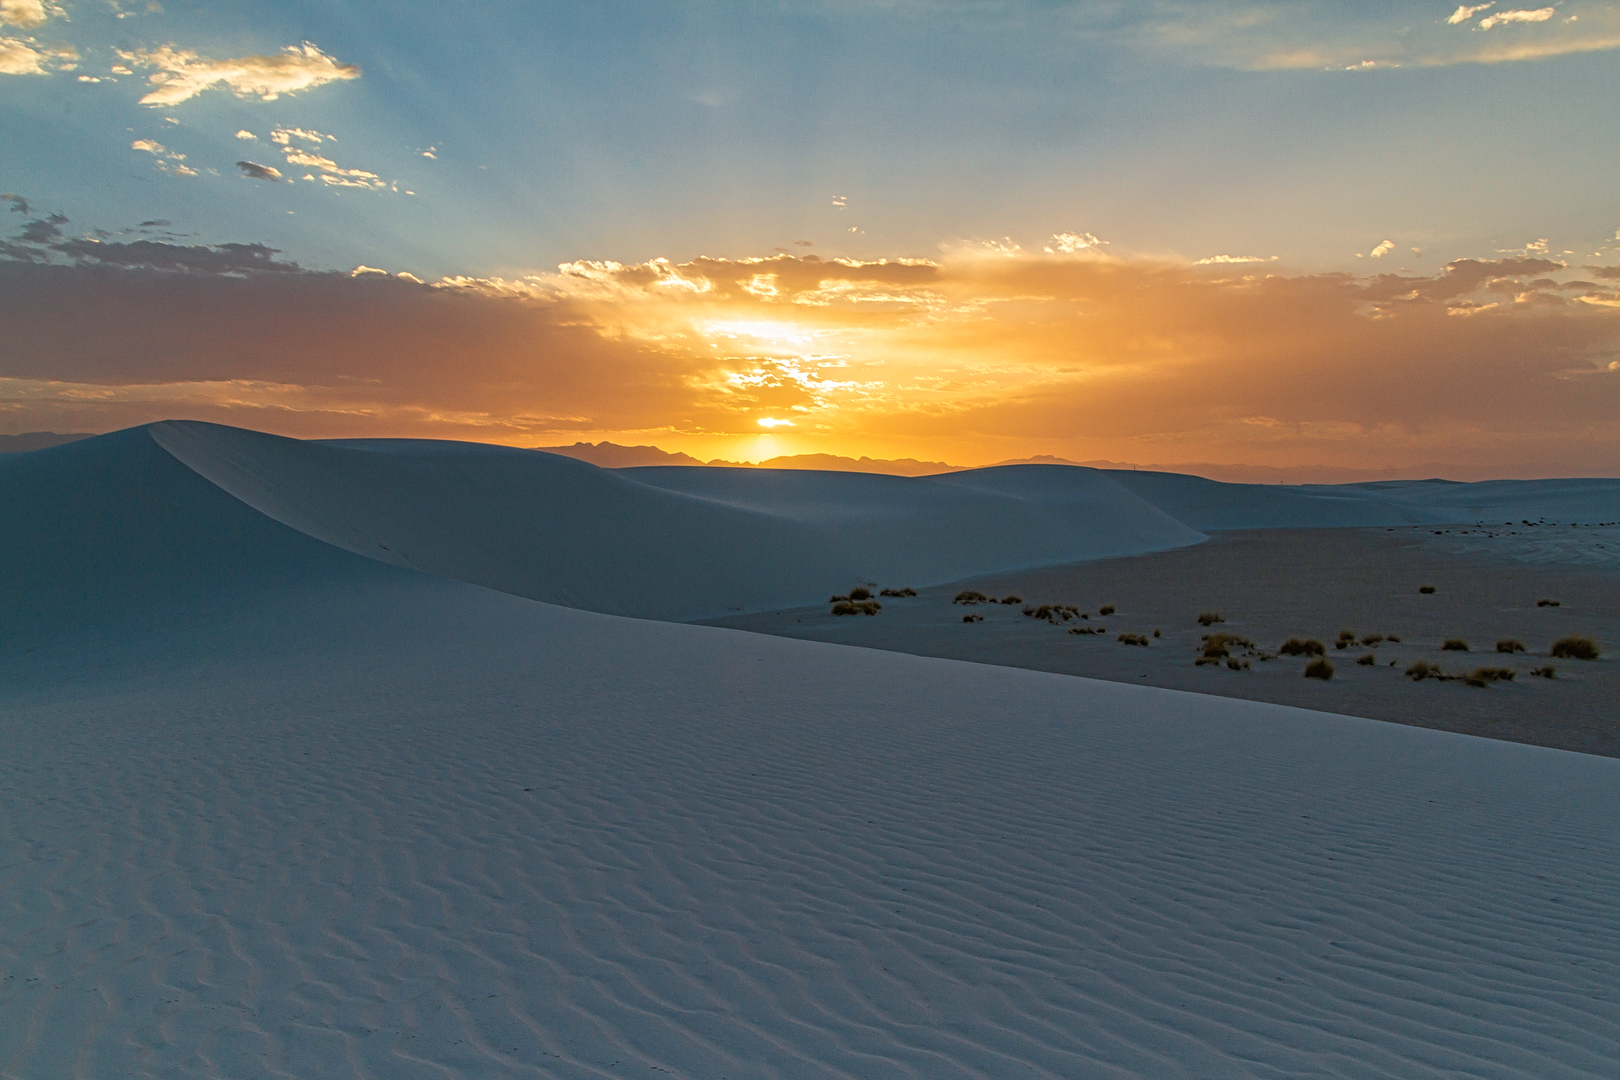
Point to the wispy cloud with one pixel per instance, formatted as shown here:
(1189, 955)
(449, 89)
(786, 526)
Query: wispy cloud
(169, 161)
(25, 56)
(182, 74)
(1502, 18)
(1464, 13)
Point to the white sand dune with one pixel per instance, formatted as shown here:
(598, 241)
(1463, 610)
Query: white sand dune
(269, 808)
(563, 531)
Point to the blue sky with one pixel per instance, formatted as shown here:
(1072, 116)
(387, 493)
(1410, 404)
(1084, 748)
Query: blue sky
(629, 130)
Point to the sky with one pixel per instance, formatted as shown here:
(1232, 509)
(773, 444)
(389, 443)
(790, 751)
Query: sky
(1373, 236)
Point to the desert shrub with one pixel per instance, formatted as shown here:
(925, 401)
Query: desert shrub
(1393, 637)
(1426, 589)
(1295, 647)
(1010, 599)
(1493, 674)
(1372, 640)
(1209, 618)
(1549, 603)
(1134, 639)
(857, 607)
(1547, 672)
(859, 592)
(1086, 630)
(1454, 644)
(973, 618)
(1367, 660)
(1574, 648)
(836, 599)
(1106, 609)
(907, 591)
(1215, 650)
(970, 596)
(1509, 645)
(1320, 668)
(1238, 665)
(1421, 670)
(1155, 631)
(1347, 635)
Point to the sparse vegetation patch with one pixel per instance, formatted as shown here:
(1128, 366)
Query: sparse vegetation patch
(1574, 648)
(973, 618)
(860, 592)
(1546, 672)
(907, 591)
(1106, 609)
(1372, 641)
(1367, 660)
(1295, 647)
(1509, 645)
(857, 607)
(1010, 599)
(1209, 618)
(1454, 644)
(1134, 639)
(970, 596)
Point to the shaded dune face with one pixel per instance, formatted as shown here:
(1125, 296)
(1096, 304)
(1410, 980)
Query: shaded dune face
(566, 532)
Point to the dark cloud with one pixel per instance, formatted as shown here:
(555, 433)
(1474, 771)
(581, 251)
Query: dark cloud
(19, 205)
(196, 258)
(1604, 273)
(43, 230)
(1458, 279)
(156, 223)
(254, 171)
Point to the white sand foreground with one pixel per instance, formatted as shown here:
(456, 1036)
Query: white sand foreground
(272, 809)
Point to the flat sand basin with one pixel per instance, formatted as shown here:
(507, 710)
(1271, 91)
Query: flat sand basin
(1274, 584)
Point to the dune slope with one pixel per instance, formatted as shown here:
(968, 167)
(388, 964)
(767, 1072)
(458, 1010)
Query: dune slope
(434, 830)
(629, 543)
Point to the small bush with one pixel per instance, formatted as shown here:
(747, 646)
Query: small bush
(836, 599)
(857, 607)
(1574, 648)
(1209, 618)
(1372, 640)
(1421, 670)
(1134, 639)
(1549, 603)
(1155, 631)
(1454, 644)
(1319, 668)
(860, 592)
(1547, 672)
(1509, 645)
(1238, 665)
(970, 596)
(1010, 599)
(1086, 630)
(1493, 674)
(973, 618)
(1396, 638)
(908, 591)
(1295, 647)
(1426, 590)
(1347, 635)
(1106, 609)
(1367, 660)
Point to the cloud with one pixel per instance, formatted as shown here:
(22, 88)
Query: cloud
(19, 205)
(281, 136)
(25, 56)
(1219, 260)
(247, 135)
(1502, 18)
(253, 171)
(27, 14)
(182, 74)
(1384, 248)
(151, 146)
(1464, 13)
(1072, 243)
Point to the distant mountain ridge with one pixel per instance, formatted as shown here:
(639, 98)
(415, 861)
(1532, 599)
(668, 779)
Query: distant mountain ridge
(613, 456)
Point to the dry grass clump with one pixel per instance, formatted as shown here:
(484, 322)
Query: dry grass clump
(1237, 665)
(857, 607)
(1295, 647)
(1218, 648)
(1010, 599)
(1490, 675)
(1052, 613)
(1393, 637)
(1320, 668)
(1088, 629)
(1549, 603)
(1574, 648)
(1454, 644)
(1134, 639)
(1426, 590)
(1367, 660)
(973, 618)
(1509, 645)
(1422, 670)
(971, 596)
(1547, 672)
(1372, 641)
(1345, 639)
(1209, 618)
(1106, 609)
(859, 592)
(907, 591)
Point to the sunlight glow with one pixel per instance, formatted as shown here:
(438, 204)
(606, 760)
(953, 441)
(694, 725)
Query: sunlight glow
(769, 422)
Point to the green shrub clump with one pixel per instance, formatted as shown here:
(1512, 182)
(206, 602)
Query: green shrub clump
(1574, 648)
(1295, 647)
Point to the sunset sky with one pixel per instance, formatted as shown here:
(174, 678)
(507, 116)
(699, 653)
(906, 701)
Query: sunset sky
(1376, 236)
